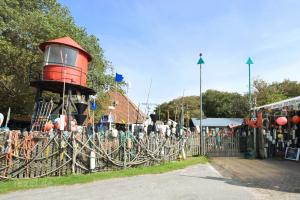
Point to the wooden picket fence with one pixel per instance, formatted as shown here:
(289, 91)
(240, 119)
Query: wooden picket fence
(37, 154)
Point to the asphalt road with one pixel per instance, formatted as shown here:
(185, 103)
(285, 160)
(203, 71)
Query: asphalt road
(196, 182)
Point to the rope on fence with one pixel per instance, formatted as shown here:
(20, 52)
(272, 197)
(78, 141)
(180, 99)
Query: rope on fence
(73, 147)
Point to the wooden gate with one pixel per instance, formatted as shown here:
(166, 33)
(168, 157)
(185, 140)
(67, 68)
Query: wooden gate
(221, 145)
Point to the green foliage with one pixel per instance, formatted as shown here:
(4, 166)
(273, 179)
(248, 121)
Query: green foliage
(172, 108)
(215, 104)
(269, 93)
(23, 26)
(23, 184)
(224, 104)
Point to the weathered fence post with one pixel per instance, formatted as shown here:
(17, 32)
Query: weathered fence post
(125, 139)
(73, 153)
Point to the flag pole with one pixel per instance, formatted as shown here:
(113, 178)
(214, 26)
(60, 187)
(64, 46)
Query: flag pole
(127, 107)
(115, 104)
(202, 144)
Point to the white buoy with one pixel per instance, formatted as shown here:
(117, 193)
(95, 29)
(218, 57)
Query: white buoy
(141, 135)
(62, 122)
(173, 130)
(168, 132)
(92, 160)
(183, 154)
(1, 119)
(114, 133)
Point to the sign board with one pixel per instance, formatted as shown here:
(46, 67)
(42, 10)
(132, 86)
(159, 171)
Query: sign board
(292, 153)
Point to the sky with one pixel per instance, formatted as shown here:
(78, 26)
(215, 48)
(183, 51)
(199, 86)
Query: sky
(160, 40)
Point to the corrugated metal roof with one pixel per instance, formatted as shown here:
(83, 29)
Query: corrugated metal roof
(295, 102)
(218, 122)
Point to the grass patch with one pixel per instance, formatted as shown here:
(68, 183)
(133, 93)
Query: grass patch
(23, 184)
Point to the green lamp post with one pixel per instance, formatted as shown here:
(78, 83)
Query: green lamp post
(249, 63)
(200, 62)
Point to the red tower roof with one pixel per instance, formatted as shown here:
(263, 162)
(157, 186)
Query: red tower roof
(65, 41)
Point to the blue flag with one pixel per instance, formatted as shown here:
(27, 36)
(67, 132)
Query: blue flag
(119, 77)
(93, 105)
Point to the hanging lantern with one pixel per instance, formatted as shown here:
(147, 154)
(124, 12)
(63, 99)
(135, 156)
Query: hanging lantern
(281, 121)
(296, 119)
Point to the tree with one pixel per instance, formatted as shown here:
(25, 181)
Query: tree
(23, 26)
(224, 104)
(191, 105)
(289, 88)
(215, 104)
(269, 93)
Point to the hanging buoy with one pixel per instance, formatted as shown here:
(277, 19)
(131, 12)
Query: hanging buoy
(280, 136)
(169, 123)
(48, 126)
(62, 122)
(92, 160)
(79, 129)
(114, 133)
(1, 119)
(183, 154)
(173, 130)
(141, 135)
(129, 143)
(56, 123)
(74, 128)
(281, 121)
(93, 106)
(168, 132)
(296, 119)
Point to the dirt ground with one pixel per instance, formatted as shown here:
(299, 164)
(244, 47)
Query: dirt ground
(274, 178)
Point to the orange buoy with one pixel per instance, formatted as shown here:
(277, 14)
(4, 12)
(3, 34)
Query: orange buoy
(129, 143)
(73, 126)
(56, 123)
(296, 119)
(48, 126)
